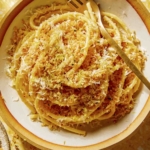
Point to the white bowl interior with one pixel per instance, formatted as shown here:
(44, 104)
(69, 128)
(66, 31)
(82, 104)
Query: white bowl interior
(20, 111)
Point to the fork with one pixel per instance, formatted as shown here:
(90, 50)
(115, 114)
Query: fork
(80, 6)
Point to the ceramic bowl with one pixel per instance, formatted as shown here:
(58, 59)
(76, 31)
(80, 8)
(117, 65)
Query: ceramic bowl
(16, 114)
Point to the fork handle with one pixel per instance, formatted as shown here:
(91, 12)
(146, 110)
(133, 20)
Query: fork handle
(125, 57)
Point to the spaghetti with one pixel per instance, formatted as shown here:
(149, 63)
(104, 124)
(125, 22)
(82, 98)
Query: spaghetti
(67, 73)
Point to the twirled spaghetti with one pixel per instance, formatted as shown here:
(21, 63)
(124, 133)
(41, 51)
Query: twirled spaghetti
(67, 73)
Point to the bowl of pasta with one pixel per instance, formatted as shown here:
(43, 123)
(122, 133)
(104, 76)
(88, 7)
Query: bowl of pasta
(62, 84)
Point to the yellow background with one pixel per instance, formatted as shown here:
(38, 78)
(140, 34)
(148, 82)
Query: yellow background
(139, 140)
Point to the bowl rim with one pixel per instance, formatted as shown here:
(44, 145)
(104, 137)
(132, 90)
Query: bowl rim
(37, 141)
(10, 15)
(40, 143)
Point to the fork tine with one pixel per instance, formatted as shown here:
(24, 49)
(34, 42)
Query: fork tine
(83, 1)
(80, 2)
(74, 3)
(77, 5)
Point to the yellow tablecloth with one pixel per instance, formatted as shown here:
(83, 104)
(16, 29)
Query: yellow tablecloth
(139, 140)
